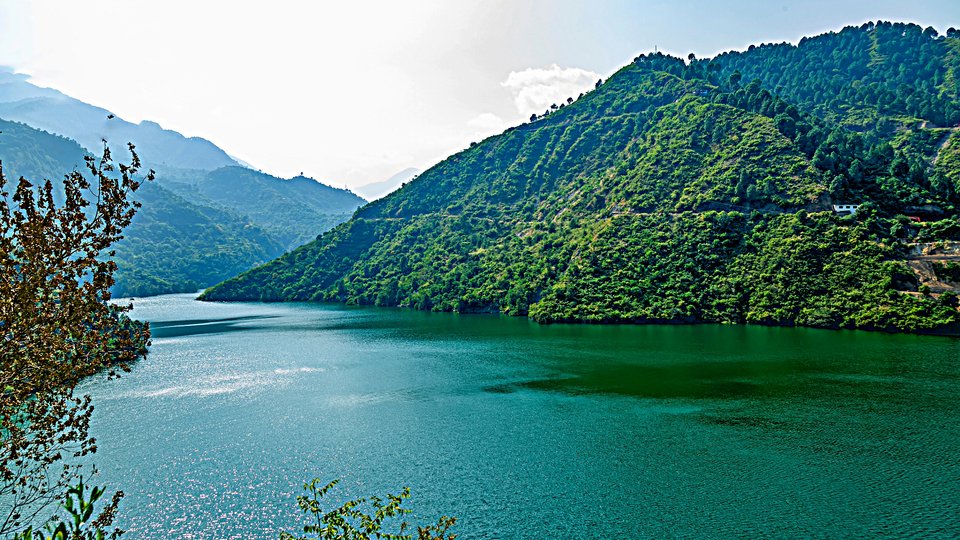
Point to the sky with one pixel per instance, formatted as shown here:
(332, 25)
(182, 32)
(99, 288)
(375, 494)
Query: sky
(350, 92)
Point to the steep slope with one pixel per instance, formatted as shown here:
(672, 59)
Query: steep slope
(672, 193)
(52, 111)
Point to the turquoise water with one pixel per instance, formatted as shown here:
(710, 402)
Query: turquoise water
(527, 431)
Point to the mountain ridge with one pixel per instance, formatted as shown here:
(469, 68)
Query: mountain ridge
(706, 178)
(291, 209)
(55, 112)
(185, 238)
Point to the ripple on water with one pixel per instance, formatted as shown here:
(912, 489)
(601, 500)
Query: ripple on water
(525, 431)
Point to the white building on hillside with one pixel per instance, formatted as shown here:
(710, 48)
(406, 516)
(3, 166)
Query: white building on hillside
(846, 208)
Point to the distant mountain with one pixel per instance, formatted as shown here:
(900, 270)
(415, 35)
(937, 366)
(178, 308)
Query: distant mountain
(291, 211)
(176, 245)
(684, 192)
(380, 189)
(52, 111)
(195, 227)
(204, 219)
(173, 245)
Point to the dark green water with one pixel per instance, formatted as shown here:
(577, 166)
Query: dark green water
(525, 431)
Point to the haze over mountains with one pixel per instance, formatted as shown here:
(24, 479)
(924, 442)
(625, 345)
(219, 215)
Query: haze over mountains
(204, 219)
(53, 111)
(375, 190)
(684, 191)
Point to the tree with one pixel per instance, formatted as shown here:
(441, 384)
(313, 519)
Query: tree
(57, 325)
(786, 125)
(352, 521)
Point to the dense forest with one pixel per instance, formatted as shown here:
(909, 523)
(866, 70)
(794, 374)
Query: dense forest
(683, 191)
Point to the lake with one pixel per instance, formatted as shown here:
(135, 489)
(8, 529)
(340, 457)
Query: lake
(528, 431)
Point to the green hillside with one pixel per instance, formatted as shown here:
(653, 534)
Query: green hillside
(37, 154)
(677, 191)
(883, 72)
(174, 245)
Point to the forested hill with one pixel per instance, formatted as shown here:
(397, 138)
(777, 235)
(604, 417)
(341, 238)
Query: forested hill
(683, 191)
(859, 75)
(197, 228)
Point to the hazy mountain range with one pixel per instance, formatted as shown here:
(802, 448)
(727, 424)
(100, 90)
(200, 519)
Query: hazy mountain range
(376, 190)
(203, 220)
(53, 111)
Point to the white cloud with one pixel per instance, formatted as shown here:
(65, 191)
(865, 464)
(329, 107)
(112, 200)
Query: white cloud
(486, 124)
(535, 89)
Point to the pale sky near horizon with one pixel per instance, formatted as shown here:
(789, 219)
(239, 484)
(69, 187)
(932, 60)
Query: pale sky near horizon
(352, 92)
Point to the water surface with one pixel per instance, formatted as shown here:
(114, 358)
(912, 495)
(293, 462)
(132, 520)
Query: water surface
(527, 431)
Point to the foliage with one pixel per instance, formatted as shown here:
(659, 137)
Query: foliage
(947, 163)
(877, 71)
(677, 191)
(56, 325)
(947, 271)
(363, 518)
(79, 506)
(793, 269)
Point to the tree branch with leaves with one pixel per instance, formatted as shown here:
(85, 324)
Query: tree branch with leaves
(367, 518)
(57, 325)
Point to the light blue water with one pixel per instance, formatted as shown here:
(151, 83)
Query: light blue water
(527, 431)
